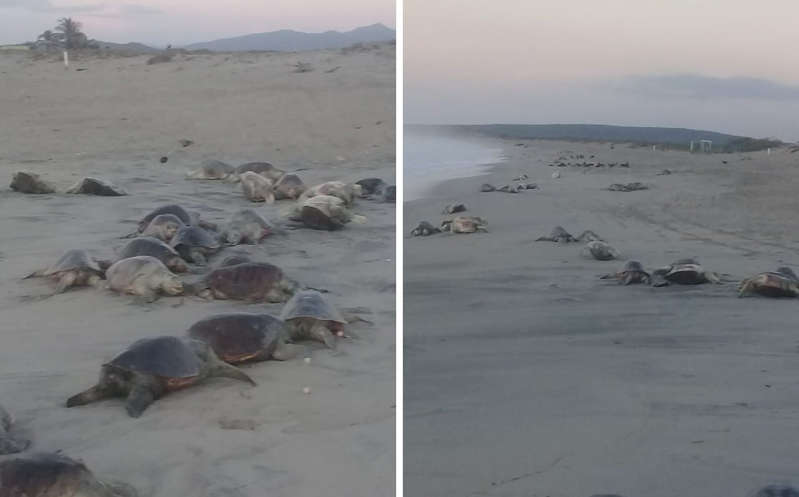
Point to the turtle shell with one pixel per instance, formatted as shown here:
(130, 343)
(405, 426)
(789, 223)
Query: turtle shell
(43, 474)
(232, 260)
(633, 266)
(787, 272)
(255, 167)
(165, 356)
(245, 280)
(96, 186)
(370, 186)
(776, 284)
(74, 259)
(246, 217)
(685, 272)
(194, 236)
(240, 337)
(173, 209)
(217, 168)
(289, 186)
(310, 304)
(147, 245)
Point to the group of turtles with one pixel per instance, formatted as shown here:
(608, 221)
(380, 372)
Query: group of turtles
(456, 224)
(171, 240)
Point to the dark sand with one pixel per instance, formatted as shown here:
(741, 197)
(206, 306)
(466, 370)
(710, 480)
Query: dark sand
(525, 374)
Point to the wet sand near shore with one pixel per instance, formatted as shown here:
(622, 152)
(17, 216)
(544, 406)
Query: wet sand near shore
(114, 121)
(526, 374)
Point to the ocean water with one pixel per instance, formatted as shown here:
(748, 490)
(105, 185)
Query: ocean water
(430, 159)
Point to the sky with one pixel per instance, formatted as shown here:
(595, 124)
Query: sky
(177, 22)
(721, 65)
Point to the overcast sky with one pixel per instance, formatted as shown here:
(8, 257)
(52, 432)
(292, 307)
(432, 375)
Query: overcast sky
(187, 21)
(724, 65)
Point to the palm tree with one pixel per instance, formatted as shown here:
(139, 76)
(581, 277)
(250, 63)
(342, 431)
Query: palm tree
(46, 36)
(70, 30)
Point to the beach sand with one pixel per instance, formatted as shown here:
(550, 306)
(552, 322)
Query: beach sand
(525, 374)
(115, 120)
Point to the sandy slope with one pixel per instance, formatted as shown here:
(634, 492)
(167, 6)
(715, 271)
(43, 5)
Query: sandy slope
(527, 375)
(115, 120)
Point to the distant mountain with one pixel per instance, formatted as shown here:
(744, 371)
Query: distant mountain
(287, 40)
(676, 137)
(125, 47)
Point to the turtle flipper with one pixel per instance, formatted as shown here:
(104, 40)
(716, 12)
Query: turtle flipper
(139, 399)
(712, 277)
(745, 288)
(226, 370)
(286, 351)
(321, 333)
(67, 280)
(93, 394)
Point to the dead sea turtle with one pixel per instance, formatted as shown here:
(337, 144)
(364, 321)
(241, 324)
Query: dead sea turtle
(213, 169)
(247, 226)
(9, 444)
(345, 191)
(559, 235)
(178, 211)
(265, 169)
(424, 229)
(152, 367)
(250, 281)
(309, 315)
(464, 224)
(55, 475)
(243, 337)
(74, 268)
(144, 276)
(289, 186)
(154, 247)
(600, 251)
(371, 186)
(633, 272)
(257, 188)
(683, 272)
(194, 244)
(163, 227)
(453, 208)
(780, 283)
(25, 182)
(324, 212)
(95, 186)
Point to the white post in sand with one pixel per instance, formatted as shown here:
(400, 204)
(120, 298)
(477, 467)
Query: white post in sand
(769, 151)
(66, 60)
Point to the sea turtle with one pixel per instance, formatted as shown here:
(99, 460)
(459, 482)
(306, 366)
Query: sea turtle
(194, 244)
(627, 187)
(55, 475)
(213, 169)
(683, 272)
(371, 186)
(243, 337)
(453, 208)
(309, 315)
(250, 281)
(523, 177)
(152, 367)
(144, 276)
(324, 212)
(247, 226)
(163, 227)
(559, 235)
(510, 189)
(95, 186)
(345, 191)
(781, 283)
(777, 491)
(600, 251)
(289, 186)
(485, 187)
(25, 182)
(632, 272)
(9, 444)
(185, 217)
(265, 169)
(146, 245)
(464, 224)
(75, 268)
(424, 229)
(257, 188)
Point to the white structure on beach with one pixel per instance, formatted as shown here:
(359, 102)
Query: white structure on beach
(701, 146)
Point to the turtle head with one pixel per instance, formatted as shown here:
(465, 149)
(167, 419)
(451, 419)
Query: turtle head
(172, 285)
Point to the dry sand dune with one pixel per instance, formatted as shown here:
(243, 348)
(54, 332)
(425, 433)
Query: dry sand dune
(115, 120)
(528, 375)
